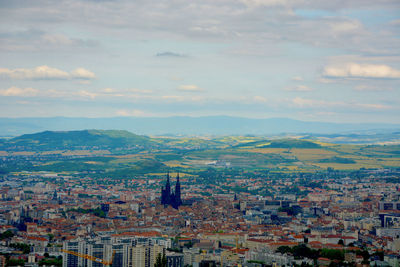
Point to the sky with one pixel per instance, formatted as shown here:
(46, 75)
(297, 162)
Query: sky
(312, 60)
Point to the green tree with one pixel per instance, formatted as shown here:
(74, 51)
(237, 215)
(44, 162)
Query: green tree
(164, 260)
(379, 254)
(284, 249)
(50, 262)
(25, 248)
(290, 210)
(303, 251)
(161, 260)
(51, 237)
(333, 254)
(15, 262)
(7, 234)
(158, 261)
(364, 253)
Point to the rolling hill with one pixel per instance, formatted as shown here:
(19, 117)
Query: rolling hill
(115, 153)
(74, 140)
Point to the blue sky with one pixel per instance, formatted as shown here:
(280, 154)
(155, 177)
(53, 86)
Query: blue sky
(310, 60)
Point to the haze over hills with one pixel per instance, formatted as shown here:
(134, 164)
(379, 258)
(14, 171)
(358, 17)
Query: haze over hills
(212, 125)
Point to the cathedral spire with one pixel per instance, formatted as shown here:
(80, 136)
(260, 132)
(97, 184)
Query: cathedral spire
(166, 192)
(167, 185)
(169, 197)
(178, 199)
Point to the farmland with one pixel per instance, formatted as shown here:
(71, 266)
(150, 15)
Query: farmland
(123, 154)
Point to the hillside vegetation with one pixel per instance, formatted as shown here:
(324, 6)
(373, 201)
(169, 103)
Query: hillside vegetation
(92, 139)
(113, 153)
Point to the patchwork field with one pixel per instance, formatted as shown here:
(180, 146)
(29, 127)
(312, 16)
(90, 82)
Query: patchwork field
(114, 155)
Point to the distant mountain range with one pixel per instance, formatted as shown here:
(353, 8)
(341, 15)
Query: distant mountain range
(212, 125)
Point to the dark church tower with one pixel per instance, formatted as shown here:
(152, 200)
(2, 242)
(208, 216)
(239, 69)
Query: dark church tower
(171, 198)
(178, 200)
(166, 192)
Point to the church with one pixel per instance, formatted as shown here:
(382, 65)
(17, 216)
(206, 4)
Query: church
(171, 198)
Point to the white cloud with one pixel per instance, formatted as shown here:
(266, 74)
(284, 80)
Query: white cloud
(86, 94)
(176, 78)
(343, 27)
(297, 78)
(256, 3)
(81, 73)
(180, 98)
(49, 93)
(354, 70)
(45, 73)
(16, 91)
(130, 113)
(395, 22)
(299, 88)
(190, 88)
(318, 4)
(372, 106)
(81, 94)
(372, 88)
(131, 93)
(260, 99)
(140, 91)
(270, 20)
(318, 104)
(173, 97)
(85, 82)
(57, 39)
(109, 90)
(41, 72)
(303, 102)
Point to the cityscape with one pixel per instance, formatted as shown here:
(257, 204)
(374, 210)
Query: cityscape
(248, 218)
(201, 133)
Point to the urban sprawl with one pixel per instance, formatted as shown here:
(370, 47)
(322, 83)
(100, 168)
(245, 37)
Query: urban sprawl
(298, 219)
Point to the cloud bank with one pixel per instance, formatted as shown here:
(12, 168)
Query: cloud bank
(354, 70)
(46, 73)
(16, 91)
(190, 88)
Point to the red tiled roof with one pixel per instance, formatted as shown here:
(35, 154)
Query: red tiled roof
(36, 238)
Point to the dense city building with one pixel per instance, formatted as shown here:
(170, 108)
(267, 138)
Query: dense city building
(235, 220)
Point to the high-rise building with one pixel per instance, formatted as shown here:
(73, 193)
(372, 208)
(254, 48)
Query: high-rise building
(98, 250)
(175, 259)
(123, 251)
(145, 256)
(2, 261)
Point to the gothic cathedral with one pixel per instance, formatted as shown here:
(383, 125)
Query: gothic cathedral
(171, 198)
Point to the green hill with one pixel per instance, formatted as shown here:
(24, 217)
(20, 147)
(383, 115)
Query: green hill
(58, 151)
(339, 160)
(259, 143)
(292, 143)
(72, 140)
